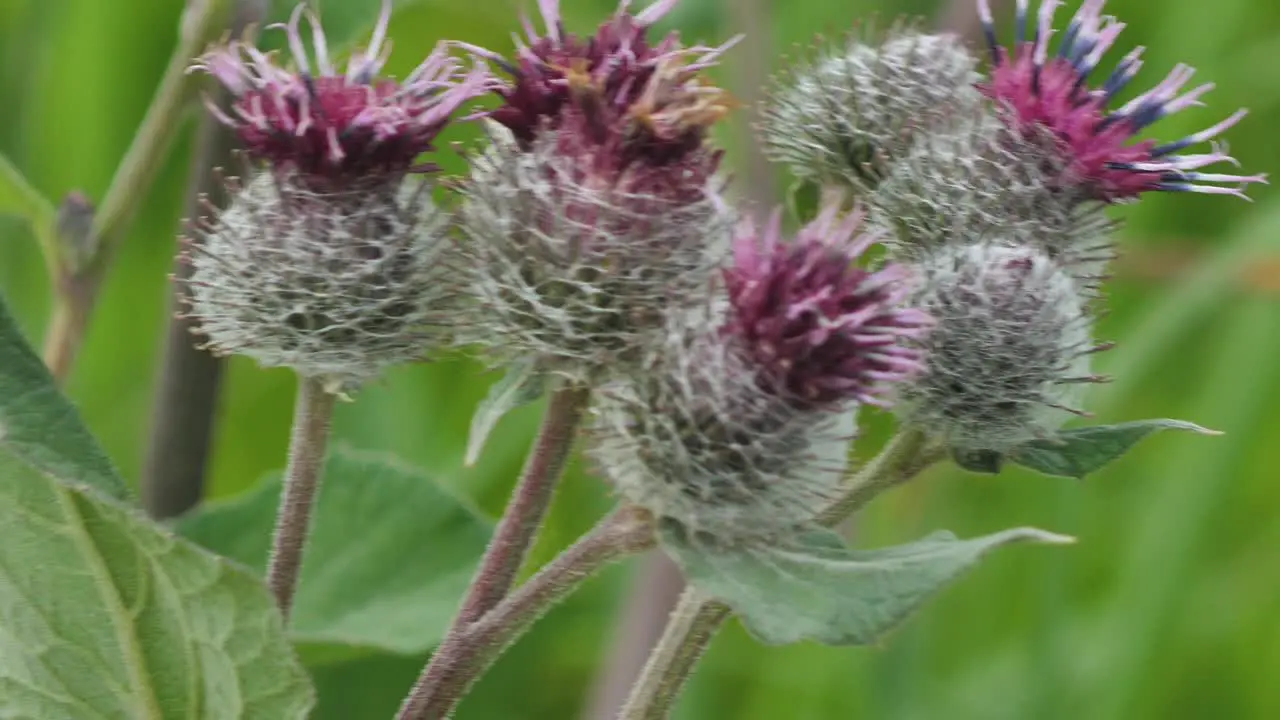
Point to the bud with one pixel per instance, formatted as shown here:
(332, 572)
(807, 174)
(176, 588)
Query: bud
(700, 442)
(597, 206)
(1009, 356)
(820, 329)
(329, 258)
(844, 116)
(983, 182)
(1097, 146)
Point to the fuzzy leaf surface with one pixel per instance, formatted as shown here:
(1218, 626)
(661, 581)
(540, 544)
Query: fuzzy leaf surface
(1078, 452)
(104, 614)
(816, 588)
(390, 554)
(40, 426)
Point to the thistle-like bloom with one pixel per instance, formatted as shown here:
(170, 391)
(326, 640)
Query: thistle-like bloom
(1098, 145)
(334, 131)
(697, 440)
(845, 115)
(984, 182)
(597, 206)
(1009, 355)
(330, 259)
(820, 329)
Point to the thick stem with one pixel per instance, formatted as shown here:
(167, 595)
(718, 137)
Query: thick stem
(182, 417)
(465, 656)
(528, 507)
(696, 619)
(313, 413)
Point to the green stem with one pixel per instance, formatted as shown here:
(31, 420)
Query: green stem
(465, 656)
(313, 413)
(79, 272)
(696, 619)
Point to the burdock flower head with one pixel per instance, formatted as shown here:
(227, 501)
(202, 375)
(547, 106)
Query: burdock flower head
(1009, 355)
(739, 431)
(328, 259)
(820, 328)
(984, 182)
(597, 206)
(1039, 93)
(843, 116)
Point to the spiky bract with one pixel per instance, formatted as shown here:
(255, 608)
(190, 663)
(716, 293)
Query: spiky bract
(577, 270)
(334, 286)
(699, 442)
(844, 115)
(983, 182)
(1009, 354)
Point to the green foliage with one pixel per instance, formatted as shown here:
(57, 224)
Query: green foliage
(389, 558)
(1174, 576)
(520, 386)
(106, 615)
(1078, 452)
(19, 199)
(39, 426)
(815, 588)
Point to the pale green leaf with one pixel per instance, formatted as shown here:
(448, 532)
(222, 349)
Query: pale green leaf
(520, 386)
(104, 615)
(815, 588)
(39, 425)
(1077, 452)
(390, 555)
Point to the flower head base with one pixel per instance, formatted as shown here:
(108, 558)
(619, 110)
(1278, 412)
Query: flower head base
(334, 130)
(844, 116)
(1039, 91)
(1009, 354)
(338, 287)
(984, 182)
(576, 265)
(820, 329)
(697, 440)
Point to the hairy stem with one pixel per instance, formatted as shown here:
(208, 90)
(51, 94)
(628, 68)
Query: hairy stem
(655, 590)
(79, 272)
(696, 619)
(186, 399)
(693, 622)
(465, 656)
(312, 415)
(528, 507)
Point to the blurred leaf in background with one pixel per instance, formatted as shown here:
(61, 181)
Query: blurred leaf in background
(1169, 605)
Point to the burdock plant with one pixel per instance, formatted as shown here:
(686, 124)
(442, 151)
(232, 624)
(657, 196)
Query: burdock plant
(715, 364)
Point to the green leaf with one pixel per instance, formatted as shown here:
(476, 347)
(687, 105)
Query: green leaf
(803, 198)
(520, 386)
(1076, 453)
(106, 615)
(19, 198)
(815, 588)
(390, 554)
(39, 425)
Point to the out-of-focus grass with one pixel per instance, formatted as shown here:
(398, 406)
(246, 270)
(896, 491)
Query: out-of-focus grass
(1166, 608)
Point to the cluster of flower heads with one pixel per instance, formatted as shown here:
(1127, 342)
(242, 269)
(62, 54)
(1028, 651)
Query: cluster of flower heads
(593, 239)
(996, 205)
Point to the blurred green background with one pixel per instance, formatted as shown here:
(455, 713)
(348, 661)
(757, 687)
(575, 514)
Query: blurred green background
(1168, 607)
